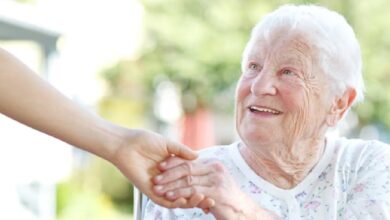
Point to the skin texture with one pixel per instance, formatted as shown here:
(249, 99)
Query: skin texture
(281, 75)
(284, 74)
(25, 97)
(208, 177)
(285, 78)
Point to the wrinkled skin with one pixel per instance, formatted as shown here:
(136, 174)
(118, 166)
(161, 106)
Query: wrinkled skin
(282, 75)
(284, 105)
(207, 177)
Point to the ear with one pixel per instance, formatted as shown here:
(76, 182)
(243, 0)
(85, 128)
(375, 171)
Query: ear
(340, 106)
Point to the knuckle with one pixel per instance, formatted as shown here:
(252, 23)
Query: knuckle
(175, 160)
(175, 184)
(170, 160)
(189, 180)
(187, 166)
(218, 166)
(193, 190)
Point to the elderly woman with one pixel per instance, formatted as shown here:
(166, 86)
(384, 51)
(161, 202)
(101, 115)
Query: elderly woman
(301, 72)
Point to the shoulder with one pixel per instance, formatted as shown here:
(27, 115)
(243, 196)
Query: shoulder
(363, 163)
(363, 169)
(360, 151)
(219, 152)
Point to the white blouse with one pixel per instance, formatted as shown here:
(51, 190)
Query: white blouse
(351, 181)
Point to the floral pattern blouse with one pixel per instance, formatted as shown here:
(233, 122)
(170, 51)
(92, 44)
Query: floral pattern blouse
(351, 181)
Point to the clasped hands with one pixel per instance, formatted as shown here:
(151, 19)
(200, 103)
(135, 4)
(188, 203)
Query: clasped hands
(202, 183)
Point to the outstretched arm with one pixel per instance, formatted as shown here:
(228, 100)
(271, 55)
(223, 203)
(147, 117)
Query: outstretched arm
(27, 98)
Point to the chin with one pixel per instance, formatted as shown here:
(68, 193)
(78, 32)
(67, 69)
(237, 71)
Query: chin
(255, 136)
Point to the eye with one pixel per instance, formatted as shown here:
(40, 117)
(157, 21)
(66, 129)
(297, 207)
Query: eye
(252, 69)
(253, 66)
(288, 72)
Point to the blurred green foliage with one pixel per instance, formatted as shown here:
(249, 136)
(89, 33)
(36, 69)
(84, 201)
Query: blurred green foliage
(95, 191)
(372, 24)
(195, 44)
(124, 102)
(198, 46)
(33, 2)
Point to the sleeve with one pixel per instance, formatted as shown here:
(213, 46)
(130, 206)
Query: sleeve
(369, 197)
(153, 211)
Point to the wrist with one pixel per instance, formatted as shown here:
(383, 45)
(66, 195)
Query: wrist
(247, 209)
(111, 138)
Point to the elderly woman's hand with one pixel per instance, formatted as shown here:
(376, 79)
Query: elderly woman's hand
(210, 181)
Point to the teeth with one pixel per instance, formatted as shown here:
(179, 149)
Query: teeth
(260, 109)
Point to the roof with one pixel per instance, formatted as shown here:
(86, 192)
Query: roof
(11, 29)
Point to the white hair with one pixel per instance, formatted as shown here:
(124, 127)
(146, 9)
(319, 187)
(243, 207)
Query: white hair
(328, 31)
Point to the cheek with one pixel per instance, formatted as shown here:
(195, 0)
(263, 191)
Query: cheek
(239, 99)
(297, 104)
(294, 98)
(298, 119)
(242, 90)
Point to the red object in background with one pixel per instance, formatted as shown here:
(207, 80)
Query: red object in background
(197, 129)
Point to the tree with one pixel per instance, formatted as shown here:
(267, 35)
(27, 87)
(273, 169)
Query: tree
(198, 45)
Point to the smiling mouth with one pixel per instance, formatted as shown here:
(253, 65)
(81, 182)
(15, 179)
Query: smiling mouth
(258, 109)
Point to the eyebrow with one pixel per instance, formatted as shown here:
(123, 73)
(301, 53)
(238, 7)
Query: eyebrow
(296, 62)
(295, 54)
(293, 60)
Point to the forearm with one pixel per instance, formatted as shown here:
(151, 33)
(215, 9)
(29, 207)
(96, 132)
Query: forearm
(27, 98)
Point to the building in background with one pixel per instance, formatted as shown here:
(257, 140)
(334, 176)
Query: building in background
(32, 163)
(27, 157)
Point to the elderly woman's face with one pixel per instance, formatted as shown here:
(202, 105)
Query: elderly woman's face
(282, 94)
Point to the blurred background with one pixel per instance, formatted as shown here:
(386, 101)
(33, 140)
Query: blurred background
(165, 65)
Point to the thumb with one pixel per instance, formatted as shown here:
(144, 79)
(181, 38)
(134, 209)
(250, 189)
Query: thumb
(181, 150)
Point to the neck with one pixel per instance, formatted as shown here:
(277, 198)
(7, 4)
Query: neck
(284, 165)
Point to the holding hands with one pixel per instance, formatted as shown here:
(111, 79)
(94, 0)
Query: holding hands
(138, 154)
(206, 184)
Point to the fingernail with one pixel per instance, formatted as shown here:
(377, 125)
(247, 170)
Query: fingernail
(158, 178)
(158, 188)
(170, 194)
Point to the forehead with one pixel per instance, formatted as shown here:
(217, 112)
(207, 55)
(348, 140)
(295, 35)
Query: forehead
(282, 43)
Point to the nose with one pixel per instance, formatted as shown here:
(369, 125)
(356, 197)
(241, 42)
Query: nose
(263, 84)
